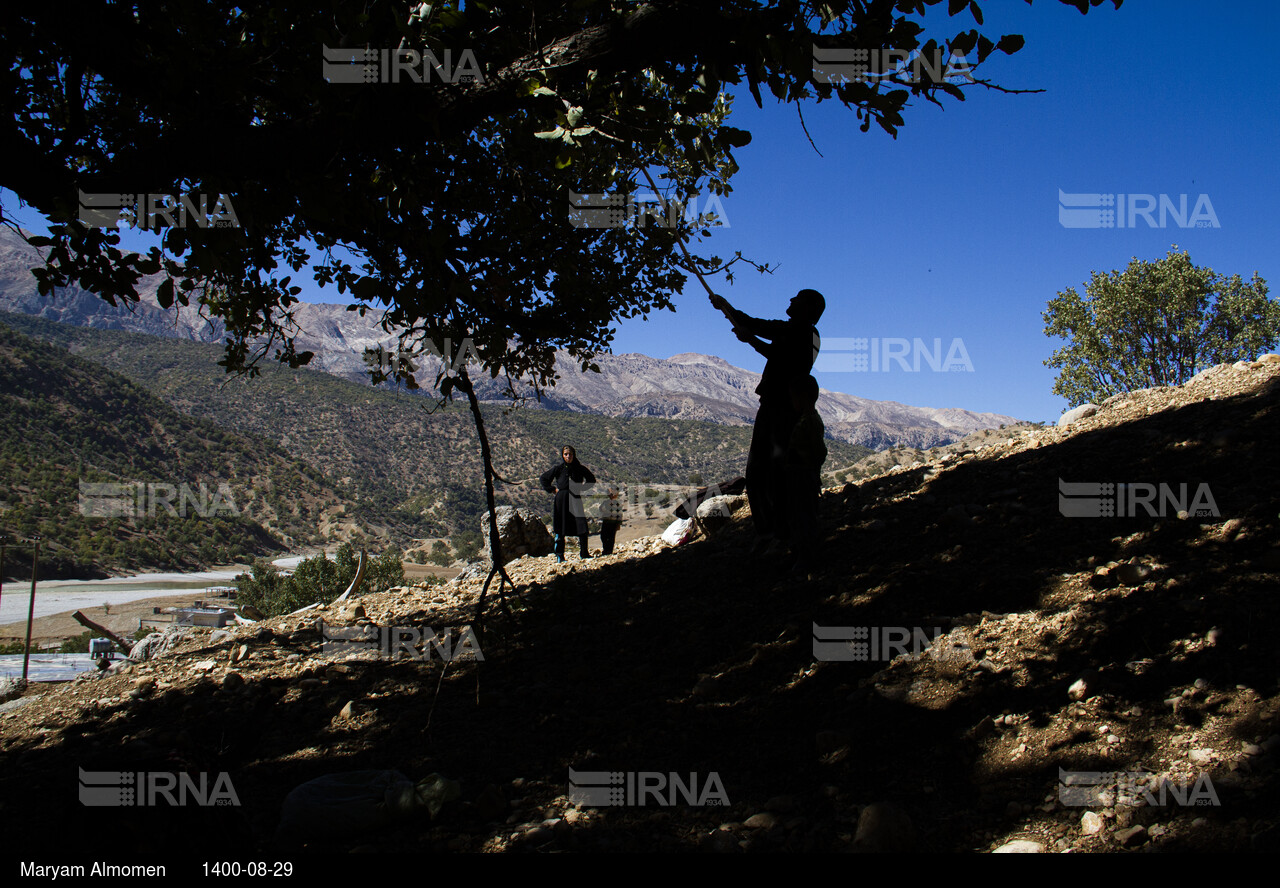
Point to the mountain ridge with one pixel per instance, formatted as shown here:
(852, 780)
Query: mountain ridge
(685, 386)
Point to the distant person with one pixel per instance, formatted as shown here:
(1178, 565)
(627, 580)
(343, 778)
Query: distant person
(610, 520)
(567, 480)
(805, 453)
(790, 347)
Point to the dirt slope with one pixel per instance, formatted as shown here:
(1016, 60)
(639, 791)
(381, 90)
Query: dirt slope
(1057, 657)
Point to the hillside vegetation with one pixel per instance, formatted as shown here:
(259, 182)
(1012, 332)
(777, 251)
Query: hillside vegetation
(68, 421)
(406, 470)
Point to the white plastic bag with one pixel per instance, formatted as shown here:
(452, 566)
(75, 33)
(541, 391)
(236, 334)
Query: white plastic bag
(679, 533)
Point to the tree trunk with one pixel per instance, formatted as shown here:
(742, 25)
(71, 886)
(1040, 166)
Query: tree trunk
(495, 552)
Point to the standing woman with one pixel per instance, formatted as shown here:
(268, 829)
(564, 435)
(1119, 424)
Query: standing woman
(567, 480)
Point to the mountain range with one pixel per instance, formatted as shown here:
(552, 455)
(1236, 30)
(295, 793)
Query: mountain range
(685, 386)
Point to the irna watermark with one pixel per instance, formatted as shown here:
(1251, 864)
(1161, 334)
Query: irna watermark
(388, 359)
(340, 65)
(1088, 789)
(144, 499)
(641, 788)
(1120, 210)
(152, 211)
(835, 644)
(601, 210)
(839, 65)
(1107, 499)
(418, 643)
(883, 354)
(144, 789)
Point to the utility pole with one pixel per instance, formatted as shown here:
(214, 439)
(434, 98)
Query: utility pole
(31, 608)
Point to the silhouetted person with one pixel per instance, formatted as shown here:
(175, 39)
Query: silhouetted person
(802, 461)
(610, 521)
(567, 480)
(790, 348)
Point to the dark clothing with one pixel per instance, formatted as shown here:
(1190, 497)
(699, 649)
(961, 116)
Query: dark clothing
(766, 490)
(802, 473)
(790, 351)
(806, 448)
(568, 481)
(608, 533)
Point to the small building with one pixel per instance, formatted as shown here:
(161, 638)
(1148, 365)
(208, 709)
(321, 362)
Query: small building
(211, 617)
(199, 614)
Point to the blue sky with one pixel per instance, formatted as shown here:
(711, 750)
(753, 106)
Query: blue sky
(951, 232)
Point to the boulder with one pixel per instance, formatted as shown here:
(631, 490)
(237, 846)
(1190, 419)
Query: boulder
(157, 643)
(520, 532)
(11, 688)
(716, 511)
(1077, 413)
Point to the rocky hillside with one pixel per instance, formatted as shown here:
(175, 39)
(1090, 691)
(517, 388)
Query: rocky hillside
(167, 491)
(1134, 648)
(686, 387)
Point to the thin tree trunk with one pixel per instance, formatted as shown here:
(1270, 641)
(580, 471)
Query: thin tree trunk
(495, 551)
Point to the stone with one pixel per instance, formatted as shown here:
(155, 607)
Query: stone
(1078, 690)
(349, 711)
(11, 688)
(520, 532)
(716, 511)
(1134, 835)
(157, 643)
(1076, 414)
(884, 828)
(232, 681)
(1091, 823)
(763, 820)
(1020, 846)
(1131, 574)
(1201, 756)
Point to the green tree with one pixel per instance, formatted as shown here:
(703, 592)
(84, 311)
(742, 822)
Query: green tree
(440, 554)
(467, 544)
(1155, 323)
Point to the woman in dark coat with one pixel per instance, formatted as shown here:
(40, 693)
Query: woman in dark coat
(567, 480)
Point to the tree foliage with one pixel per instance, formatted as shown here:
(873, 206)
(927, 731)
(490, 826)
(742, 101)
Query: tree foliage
(445, 203)
(316, 580)
(1155, 323)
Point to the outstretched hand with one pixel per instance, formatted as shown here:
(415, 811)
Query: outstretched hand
(719, 302)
